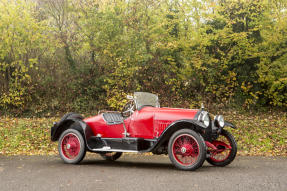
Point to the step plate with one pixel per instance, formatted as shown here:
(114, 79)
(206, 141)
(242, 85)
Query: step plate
(106, 149)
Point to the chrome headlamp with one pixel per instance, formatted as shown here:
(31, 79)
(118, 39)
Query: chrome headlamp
(204, 118)
(219, 121)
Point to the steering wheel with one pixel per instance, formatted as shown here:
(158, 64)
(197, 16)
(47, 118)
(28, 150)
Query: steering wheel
(128, 109)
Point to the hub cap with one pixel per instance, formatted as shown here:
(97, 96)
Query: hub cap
(185, 149)
(70, 146)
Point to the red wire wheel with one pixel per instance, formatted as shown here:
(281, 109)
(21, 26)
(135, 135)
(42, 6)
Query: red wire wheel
(71, 146)
(187, 149)
(225, 152)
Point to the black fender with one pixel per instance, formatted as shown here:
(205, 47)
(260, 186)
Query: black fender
(229, 124)
(175, 126)
(70, 121)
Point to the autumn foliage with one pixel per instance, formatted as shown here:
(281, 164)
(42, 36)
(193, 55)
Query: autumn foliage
(87, 55)
(72, 55)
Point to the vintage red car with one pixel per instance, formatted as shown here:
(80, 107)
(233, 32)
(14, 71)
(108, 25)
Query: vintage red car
(188, 136)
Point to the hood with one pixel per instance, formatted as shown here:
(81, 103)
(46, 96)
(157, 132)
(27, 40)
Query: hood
(173, 114)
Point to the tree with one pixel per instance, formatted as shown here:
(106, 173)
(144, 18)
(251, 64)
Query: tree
(272, 69)
(23, 40)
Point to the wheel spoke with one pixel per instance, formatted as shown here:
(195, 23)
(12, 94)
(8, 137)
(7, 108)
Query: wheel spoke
(70, 146)
(185, 149)
(177, 151)
(177, 144)
(221, 154)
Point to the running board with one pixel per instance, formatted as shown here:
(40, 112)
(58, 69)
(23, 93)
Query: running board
(109, 149)
(129, 144)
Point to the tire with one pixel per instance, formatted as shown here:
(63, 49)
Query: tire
(71, 146)
(226, 157)
(111, 156)
(186, 144)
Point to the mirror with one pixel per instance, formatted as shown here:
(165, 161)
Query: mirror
(129, 97)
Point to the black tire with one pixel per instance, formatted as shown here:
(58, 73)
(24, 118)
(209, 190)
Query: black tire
(233, 151)
(63, 148)
(196, 145)
(111, 156)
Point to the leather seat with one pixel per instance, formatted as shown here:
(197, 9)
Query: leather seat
(113, 118)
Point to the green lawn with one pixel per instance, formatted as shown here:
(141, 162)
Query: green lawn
(257, 134)
(26, 136)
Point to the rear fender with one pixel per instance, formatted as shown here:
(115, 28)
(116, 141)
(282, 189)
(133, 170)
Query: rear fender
(70, 121)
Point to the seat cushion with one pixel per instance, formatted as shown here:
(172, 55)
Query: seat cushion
(113, 118)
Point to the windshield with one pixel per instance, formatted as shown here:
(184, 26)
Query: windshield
(145, 99)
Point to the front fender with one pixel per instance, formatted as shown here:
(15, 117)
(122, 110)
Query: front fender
(229, 124)
(177, 125)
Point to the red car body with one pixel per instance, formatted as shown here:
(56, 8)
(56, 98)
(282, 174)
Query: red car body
(188, 136)
(148, 123)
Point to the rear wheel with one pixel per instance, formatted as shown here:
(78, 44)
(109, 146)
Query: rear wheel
(111, 156)
(71, 146)
(226, 150)
(186, 149)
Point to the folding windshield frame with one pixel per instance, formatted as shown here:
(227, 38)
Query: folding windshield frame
(142, 99)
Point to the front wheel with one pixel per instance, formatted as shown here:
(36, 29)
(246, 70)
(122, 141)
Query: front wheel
(186, 149)
(225, 152)
(72, 146)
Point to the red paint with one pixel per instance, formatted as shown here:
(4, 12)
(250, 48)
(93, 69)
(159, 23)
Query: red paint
(99, 126)
(210, 145)
(165, 116)
(147, 123)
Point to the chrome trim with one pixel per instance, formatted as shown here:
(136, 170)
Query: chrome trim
(108, 149)
(201, 117)
(218, 119)
(125, 133)
(202, 106)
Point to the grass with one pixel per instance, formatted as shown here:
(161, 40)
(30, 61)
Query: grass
(26, 136)
(263, 134)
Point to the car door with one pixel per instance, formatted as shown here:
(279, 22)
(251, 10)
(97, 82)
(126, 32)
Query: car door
(142, 121)
(109, 127)
(117, 130)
